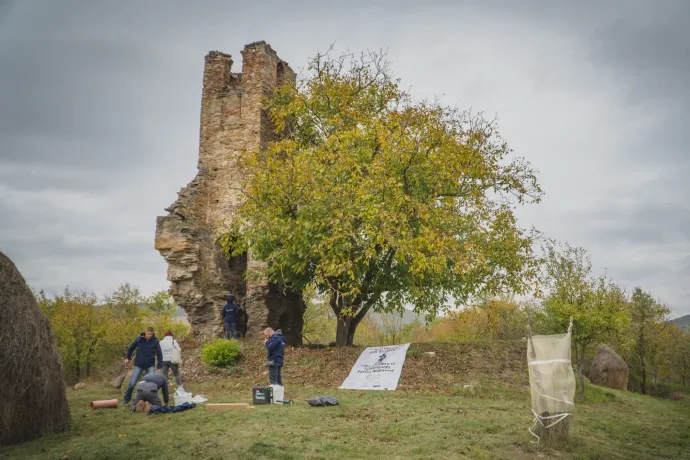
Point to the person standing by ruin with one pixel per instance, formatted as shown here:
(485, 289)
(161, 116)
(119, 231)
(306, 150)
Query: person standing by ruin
(172, 354)
(242, 318)
(229, 314)
(148, 349)
(274, 341)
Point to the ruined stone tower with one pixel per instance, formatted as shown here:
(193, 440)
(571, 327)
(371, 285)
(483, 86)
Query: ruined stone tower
(201, 277)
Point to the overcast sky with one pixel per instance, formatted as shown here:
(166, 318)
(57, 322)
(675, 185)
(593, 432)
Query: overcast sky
(99, 117)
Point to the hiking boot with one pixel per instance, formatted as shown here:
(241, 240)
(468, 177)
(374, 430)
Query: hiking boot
(141, 406)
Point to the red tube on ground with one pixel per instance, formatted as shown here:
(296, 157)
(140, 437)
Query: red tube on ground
(104, 404)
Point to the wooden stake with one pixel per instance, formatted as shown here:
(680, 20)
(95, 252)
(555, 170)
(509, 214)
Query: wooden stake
(227, 406)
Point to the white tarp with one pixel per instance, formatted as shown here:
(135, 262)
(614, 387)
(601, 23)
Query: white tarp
(377, 368)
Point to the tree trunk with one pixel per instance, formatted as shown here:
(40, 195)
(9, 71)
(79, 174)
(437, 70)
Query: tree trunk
(345, 331)
(644, 379)
(579, 357)
(347, 324)
(643, 352)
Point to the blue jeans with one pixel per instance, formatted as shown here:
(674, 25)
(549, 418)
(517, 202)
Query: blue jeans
(233, 327)
(136, 373)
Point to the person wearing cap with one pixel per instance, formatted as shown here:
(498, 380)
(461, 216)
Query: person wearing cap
(229, 314)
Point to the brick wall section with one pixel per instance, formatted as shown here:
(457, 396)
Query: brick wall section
(201, 277)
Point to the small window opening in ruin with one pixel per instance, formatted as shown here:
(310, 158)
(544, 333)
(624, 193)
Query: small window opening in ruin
(280, 73)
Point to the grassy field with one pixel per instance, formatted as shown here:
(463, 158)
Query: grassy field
(488, 420)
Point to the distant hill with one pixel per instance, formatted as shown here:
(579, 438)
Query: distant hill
(683, 323)
(408, 317)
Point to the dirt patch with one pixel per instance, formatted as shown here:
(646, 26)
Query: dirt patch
(428, 366)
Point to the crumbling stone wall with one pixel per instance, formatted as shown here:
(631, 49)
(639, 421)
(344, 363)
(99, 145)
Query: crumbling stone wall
(201, 277)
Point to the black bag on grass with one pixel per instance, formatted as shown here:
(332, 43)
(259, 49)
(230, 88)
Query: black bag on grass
(321, 401)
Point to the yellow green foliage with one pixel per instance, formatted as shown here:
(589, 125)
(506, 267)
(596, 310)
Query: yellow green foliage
(597, 306)
(370, 192)
(92, 335)
(221, 352)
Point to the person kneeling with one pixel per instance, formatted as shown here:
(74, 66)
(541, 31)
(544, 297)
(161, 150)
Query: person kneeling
(147, 391)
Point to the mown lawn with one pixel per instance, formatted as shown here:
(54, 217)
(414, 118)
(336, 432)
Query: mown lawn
(489, 420)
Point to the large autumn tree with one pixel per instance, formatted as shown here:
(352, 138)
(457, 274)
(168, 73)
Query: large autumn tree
(379, 201)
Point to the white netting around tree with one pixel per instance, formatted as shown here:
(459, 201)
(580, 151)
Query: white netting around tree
(552, 383)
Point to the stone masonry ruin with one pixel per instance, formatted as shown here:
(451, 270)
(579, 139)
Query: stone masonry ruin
(201, 276)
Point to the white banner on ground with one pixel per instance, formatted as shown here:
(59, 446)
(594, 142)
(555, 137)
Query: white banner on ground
(377, 368)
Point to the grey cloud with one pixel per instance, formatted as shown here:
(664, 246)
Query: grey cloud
(643, 224)
(26, 176)
(685, 268)
(99, 113)
(650, 50)
(640, 272)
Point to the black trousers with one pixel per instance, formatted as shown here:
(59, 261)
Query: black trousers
(176, 371)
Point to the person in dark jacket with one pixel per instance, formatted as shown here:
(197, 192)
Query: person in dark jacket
(229, 314)
(242, 319)
(148, 349)
(275, 345)
(147, 391)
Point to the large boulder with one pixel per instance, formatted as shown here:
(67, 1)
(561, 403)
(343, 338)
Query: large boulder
(32, 386)
(609, 369)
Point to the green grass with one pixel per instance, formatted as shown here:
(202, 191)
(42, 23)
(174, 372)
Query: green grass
(488, 421)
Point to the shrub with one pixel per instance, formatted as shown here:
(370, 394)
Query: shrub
(660, 390)
(162, 323)
(221, 352)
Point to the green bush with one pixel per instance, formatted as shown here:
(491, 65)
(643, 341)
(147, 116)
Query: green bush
(660, 390)
(221, 352)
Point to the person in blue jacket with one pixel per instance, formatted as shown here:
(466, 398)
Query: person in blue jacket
(148, 349)
(229, 314)
(274, 341)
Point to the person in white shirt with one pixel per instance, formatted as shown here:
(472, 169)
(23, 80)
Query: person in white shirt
(171, 357)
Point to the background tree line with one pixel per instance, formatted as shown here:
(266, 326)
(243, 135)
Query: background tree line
(93, 333)
(635, 324)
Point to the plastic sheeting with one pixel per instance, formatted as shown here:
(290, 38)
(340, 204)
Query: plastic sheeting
(184, 396)
(551, 378)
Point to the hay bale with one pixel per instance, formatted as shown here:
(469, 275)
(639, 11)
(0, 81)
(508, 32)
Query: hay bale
(609, 369)
(34, 402)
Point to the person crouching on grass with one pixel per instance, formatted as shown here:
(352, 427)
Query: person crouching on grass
(274, 341)
(147, 392)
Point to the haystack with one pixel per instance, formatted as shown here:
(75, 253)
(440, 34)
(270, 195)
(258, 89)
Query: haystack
(34, 402)
(609, 369)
